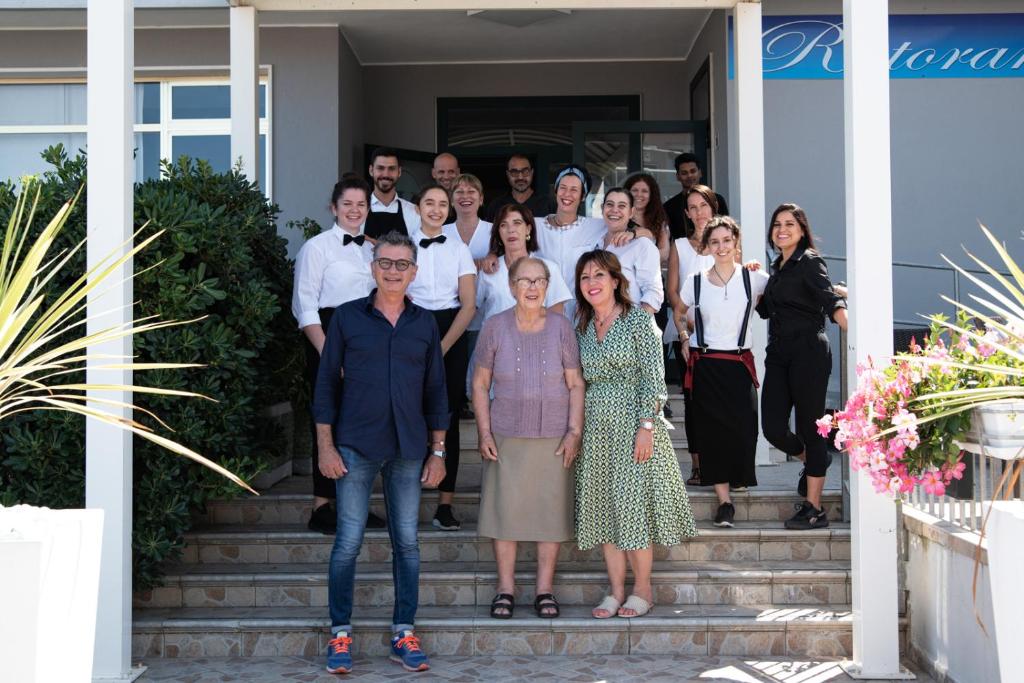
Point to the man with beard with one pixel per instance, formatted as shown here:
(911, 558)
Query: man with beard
(519, 172)
(444, 172)
(688, 173)
(388, 211)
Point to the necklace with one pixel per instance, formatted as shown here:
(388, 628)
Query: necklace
(611, 314)
(725, 283)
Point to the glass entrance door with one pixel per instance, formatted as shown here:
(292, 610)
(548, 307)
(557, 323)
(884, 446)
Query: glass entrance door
(612, 150)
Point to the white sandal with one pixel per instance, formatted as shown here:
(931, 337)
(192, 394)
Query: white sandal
(609, 605)
(637, 604)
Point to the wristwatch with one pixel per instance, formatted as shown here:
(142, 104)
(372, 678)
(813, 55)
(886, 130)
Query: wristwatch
(647, 424)
(438, 453)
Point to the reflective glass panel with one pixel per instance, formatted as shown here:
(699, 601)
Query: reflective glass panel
(20, 152)
(42, 104)
(216, 149)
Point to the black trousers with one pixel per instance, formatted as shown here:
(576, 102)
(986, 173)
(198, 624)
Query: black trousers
(724, 403)
(456, 363)
(796, 372)
(322, 486)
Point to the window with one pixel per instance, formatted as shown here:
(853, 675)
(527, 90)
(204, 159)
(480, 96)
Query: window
(172, 118)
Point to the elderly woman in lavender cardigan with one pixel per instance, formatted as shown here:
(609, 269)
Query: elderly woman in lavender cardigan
(529, 434)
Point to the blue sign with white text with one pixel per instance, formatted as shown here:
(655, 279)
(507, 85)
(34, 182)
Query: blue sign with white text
(920, 46)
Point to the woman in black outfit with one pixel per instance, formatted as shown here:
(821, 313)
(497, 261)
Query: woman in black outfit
(796, 301)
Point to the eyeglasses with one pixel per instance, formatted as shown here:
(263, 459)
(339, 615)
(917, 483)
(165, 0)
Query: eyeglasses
(534, 282)
(386, 264)
(516, 172)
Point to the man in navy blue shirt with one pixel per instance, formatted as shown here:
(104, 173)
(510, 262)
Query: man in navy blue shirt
(392, 404)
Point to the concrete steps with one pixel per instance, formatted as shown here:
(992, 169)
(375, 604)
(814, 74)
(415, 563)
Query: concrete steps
(814, 631)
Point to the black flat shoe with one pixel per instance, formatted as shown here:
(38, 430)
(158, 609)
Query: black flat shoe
(324, 520)
(503, 601)
(546, 601)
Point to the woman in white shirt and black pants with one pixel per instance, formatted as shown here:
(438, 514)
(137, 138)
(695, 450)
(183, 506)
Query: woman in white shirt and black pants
(445, 284)
(331, 269)
(721, 375)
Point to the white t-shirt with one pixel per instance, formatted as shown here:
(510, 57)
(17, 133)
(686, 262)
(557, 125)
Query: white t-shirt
(723, 317)
(690, 261)
(641, 264)
(438, 269)
(493, 294)
(565, 245)
(329, 273)
(480, 243)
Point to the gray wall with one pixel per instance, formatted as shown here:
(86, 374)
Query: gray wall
(712, 43)
(401, 101)
(350, 109)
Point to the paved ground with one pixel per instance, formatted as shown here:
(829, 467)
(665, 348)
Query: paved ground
(583, 669)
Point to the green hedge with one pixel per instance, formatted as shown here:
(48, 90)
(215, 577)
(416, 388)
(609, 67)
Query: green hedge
(221, 258)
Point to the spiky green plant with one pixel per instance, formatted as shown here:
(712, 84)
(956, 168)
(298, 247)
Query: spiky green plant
(41, 344)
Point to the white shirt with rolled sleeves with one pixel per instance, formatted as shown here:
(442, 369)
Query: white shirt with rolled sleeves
(723, 317)
(408, 209)
(494, 296)
(565, 245)
(479, 246)
(329, 273)
(641, 264)
(438, 269)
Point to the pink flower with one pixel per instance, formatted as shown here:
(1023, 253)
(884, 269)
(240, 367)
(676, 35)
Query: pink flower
(931, 481)
(905, 422)
(954, 471)
(824, 425)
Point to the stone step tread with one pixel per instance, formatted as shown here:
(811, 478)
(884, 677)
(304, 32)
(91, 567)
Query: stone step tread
(476, 617)
(744, 530)
(458, 572)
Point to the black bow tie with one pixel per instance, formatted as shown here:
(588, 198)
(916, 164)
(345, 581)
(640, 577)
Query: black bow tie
(424, 243)
(358, 239)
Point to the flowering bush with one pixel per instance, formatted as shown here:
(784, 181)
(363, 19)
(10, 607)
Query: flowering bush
(902, 423)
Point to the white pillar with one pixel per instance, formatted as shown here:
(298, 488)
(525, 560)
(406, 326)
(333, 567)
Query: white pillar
(245, 90)
(869, 271)
(108, 450)
(749, 147)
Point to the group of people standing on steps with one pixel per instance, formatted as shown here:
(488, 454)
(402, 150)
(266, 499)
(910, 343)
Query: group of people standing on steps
(553, 323)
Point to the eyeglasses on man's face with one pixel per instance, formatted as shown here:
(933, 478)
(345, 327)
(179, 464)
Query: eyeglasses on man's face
(399, 265)
(527, 282)
(520, 172)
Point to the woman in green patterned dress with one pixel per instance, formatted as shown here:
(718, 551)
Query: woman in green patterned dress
(629, 491)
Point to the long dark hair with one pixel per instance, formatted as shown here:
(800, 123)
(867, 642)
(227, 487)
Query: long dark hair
(349, 181)
(608, 262)
(655, 217)
(709, 196)
(497, 246)
(807, 240)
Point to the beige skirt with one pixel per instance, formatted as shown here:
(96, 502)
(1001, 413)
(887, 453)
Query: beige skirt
(526, 495)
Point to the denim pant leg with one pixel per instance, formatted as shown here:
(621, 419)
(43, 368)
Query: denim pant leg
(353, 491)
(402, 498)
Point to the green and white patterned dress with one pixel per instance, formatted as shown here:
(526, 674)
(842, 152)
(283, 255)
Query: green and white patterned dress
(633, 505)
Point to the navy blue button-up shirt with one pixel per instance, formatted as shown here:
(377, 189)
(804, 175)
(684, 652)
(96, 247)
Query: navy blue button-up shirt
(394, 387)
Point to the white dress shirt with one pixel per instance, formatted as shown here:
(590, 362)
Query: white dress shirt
(722, 317)
(493, 294)
(438, 269)
(409, 214)
(565, 245)
(480, 243)
(641, 264)
(328, 273)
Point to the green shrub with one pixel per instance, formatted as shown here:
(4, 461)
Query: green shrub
(221, 258)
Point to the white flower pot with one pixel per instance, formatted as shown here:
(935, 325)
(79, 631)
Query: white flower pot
(997, 430)
(49, 583)
(1005, 565)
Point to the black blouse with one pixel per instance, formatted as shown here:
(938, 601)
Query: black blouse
(799, 295)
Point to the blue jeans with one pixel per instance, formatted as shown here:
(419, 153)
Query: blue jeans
(402, 500)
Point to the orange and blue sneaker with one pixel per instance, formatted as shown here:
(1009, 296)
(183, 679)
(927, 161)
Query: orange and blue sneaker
(405, 649)
(339, 659)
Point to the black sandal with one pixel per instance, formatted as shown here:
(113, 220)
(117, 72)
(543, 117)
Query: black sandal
(546, 601)
(505, 601)
(695, 479)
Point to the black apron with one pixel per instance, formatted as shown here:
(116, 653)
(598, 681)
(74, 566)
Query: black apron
(381, 222)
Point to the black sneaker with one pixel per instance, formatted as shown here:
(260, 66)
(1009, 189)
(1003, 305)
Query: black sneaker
(375, 522)
(445, 520)
(807, 517)
(726, 513)
(324, 519)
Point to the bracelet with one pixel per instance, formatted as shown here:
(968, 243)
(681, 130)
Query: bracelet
(438, 453)
(437, 443)
(648, 424)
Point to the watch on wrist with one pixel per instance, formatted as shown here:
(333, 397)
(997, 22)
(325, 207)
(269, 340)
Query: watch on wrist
(438, 453)
(647, 424)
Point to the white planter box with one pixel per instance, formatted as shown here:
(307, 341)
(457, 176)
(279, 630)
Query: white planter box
(1006, 564)
(49, 583)
(997, 430)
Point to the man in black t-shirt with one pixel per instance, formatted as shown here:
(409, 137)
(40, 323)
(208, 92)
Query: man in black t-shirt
(688, 172)
(519, 172)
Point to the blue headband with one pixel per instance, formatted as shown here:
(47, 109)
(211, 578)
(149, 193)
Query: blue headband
(572, 170)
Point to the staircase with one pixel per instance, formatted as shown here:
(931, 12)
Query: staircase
(253, 582)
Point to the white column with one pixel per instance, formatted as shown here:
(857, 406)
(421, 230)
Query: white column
(869, 271)
(245, 90)
(749, 145)
(108, 450)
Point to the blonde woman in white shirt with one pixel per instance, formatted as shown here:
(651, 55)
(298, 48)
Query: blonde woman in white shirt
(639, 258)
(721, 376)
(331, 269)
(445, 284)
